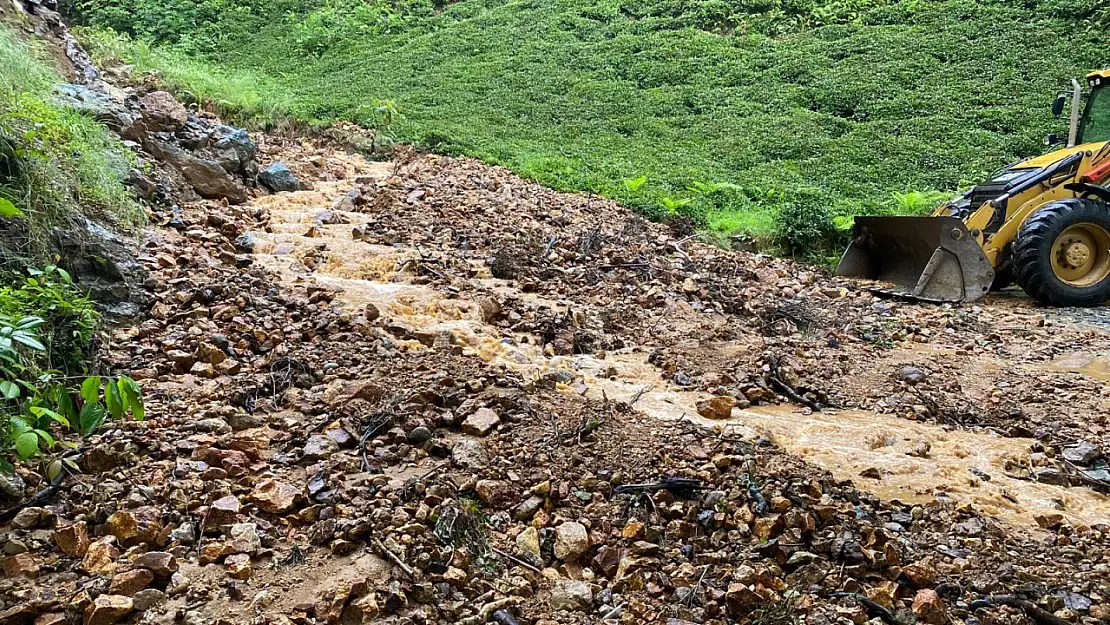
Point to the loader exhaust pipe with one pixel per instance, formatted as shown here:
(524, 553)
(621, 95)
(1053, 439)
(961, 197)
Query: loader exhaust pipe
(934, 259)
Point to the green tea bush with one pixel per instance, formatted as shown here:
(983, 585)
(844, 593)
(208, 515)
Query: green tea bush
(856, 98)
(804, 224)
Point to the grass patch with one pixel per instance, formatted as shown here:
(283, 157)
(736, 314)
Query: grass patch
(243, 96)
(53, 161)
(805, 102)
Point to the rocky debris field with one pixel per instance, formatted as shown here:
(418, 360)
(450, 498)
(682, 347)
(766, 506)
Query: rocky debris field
(429, 391)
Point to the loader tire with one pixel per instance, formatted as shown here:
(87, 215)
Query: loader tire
(1061, 255)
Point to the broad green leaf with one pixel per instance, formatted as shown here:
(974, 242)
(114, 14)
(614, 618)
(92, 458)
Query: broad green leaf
(28, 340)
(40, 411)
(66, 405)
(132, 398)
(9, 390)
(92, 416)
(7, 209)
(53, 470)
(46, 437)
(64, 274)
(90, 389)
(27, 444)
(29, 323)
(113, 400)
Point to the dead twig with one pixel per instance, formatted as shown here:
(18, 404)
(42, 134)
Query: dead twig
(515, 560)
(872, 608)
(488, 609)
(614, 613)
(786, 389)
(639, 394)
(394, 557)
(1039, 615)
(690, 598)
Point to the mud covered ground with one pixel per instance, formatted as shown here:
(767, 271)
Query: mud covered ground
(428, 391)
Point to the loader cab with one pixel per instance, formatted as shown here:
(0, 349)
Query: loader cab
(1094, 125)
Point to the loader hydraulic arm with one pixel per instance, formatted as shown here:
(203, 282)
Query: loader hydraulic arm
(1000, 204)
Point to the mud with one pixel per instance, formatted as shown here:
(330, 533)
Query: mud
(956, 465)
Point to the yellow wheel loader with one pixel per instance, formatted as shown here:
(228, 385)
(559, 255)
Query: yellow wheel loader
(1043, 223)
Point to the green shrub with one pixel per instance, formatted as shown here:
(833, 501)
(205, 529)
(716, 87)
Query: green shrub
(804, 224)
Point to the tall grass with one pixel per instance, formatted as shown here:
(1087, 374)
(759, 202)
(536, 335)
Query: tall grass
(54, 162)
(241, 95)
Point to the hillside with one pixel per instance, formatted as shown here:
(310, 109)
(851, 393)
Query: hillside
(828, 104)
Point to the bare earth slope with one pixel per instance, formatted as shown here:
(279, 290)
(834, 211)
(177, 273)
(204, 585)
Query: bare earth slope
(429, 391)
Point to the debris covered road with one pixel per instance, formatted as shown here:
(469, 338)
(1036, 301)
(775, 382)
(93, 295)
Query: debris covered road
(428, 391)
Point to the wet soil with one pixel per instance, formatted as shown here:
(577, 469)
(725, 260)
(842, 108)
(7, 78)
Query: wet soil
(837, 445)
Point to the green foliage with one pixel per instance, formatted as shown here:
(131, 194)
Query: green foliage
(917, 202)
(37, 407)
(804, 225)
(53, 161)
(69, 319)
(856, 98)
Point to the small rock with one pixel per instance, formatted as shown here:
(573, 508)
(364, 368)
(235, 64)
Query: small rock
(178, 584)
(719, 407)
(28, 518)
(244, 538)
(1083, 453)
(21, 565)
(1050, 475)
(135, 527)
(468, 454)
(273, 496)
(100, 558)
(223, 511)
(929, 607)
(921, 573)
(107, 609)
(319, 447)
(912, 375)
(419, 435)
(481, 423)
(528, 544)
(495, 493)
(238, 566)
(362, 611)
(571, 541)
(73, 539)
(161, 563)
(148, 598)
(130, 582)
(1048, 521)
(162, 113)
(571, 595)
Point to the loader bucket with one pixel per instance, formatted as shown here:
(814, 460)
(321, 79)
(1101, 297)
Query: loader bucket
(926, 258)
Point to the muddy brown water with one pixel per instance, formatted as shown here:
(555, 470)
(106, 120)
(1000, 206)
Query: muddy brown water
(846, 443)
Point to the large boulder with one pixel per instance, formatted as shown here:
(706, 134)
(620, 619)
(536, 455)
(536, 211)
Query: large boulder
(278, 177)
(207, 178)
(162, 113)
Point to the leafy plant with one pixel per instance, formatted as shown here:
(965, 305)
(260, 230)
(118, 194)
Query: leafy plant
(39, 407)
(804, 224)
(635, 184)
(671, 205)
(917, 202)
